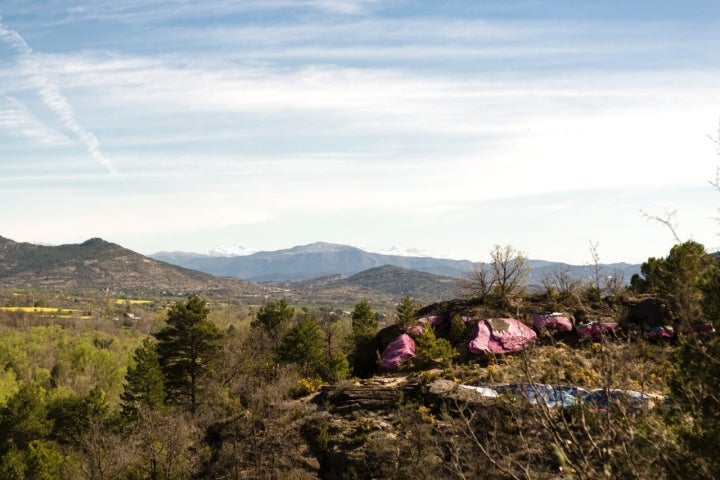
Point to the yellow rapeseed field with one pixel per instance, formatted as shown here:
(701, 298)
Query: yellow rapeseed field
(122, 301)
(60, 311)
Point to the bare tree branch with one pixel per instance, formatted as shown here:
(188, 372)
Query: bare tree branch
(668, 220)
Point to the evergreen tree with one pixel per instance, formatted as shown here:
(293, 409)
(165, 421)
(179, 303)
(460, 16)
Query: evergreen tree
(24, 418)
(274, 317)
(40, 461)
(406, 312)
(685, 279)
(72, 415)
(364, 322)
(13, 465)
(690, 279)
(337, 367)
(303, 345)
(429, 349)
(144, 383)
(695, 405)
(186, 348)
(365, 351)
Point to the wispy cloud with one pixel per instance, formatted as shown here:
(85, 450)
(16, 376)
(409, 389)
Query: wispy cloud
(463, 139)
(53, 98)
(364, 97)
(413, 119)
(148, 11)
(348, 7)
(16, 119)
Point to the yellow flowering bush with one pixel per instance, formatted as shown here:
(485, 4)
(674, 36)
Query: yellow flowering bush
(306, 386)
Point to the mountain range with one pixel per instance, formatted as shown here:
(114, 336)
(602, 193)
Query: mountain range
(319, 273)
(317, 260)
(101, 266)
(305, 262)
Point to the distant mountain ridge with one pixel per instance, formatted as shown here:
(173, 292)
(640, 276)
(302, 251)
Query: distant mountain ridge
(100, 265)
(319, 273)
(304, 262)
(320, 259)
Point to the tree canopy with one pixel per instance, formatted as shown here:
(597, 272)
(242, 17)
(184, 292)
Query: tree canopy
(186, 347)
(303, 345)
(684, 278)
(406, 311)
(364, 322)
(144, 384)
(273, 316)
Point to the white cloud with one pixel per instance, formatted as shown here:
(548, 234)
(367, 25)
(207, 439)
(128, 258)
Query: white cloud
(148, 11)
(394, 128)
(17, 120)
(347, 7)
(53, 98)
(513, 134)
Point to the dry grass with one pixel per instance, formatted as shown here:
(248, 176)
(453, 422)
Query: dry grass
(626, 365)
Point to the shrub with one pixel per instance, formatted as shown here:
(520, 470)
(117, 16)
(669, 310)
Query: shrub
(429, 349)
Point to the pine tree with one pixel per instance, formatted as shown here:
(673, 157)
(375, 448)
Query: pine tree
(41, 460)
(364, 354)
(685, 279)
(690, 279)
(303, 345)
(429, 349)
(273, 317)
(144, 383)
(406, 312)
(24, 418)
(695, 405)
(72, 415)
(364, 323)
(186, 348)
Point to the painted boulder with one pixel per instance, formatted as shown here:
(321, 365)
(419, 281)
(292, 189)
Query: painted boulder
(554, 321)
(500, 335)
(597, 330)
(398, 352)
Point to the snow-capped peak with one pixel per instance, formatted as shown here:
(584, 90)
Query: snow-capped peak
(237, 250)
(411, 252)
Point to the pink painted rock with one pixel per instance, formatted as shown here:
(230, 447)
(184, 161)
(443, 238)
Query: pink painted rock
(500, 335)
(597, 330)
(398, 352)
(554, 321)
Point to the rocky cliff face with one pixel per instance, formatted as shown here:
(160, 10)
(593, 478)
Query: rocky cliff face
(386, 427)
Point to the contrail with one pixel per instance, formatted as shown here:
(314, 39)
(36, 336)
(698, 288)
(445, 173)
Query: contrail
(51, 96)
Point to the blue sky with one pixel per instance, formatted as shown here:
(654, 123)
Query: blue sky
(443, 126)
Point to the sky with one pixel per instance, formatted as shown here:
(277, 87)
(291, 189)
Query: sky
(444, 126)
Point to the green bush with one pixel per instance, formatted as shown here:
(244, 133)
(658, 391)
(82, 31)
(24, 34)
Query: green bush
(432, 350)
